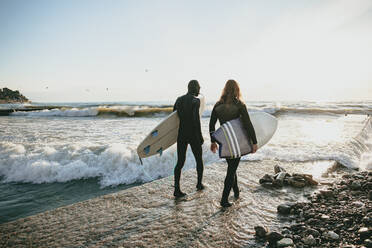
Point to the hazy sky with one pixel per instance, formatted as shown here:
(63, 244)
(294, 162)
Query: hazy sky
(106, 50)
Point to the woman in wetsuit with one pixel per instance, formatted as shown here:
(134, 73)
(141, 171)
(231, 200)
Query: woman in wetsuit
(229, 107)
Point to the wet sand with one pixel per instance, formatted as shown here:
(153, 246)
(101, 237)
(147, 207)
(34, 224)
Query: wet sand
(148, 215)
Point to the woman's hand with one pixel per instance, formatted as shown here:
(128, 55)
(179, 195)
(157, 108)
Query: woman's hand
(254, 148)
(214, 147)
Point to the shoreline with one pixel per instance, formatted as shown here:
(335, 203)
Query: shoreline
(148, 214)
(339, 216)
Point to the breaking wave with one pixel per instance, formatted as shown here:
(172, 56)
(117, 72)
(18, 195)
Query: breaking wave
(156, 110)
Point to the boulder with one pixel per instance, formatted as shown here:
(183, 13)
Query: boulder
(297, 182)
(284, 208)
(273, 237)
(266, 179)
(260, 232)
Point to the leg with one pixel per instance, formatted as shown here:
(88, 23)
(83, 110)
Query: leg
(229, 180)
(235, 187)
(198, 154)
(181, 157)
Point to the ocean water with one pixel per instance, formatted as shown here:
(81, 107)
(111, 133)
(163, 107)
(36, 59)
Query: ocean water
(77, 151)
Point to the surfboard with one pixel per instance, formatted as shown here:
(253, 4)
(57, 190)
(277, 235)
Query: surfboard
(164, 134)
(232, 137)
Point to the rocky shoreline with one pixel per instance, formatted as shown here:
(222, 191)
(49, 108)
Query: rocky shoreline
(340, 216)
(11, 96)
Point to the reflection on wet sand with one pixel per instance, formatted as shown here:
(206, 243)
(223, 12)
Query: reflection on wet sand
(148, 215)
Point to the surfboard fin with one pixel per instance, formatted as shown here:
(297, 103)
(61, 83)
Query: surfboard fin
(146, 150)
(140, 160)
(160, 151)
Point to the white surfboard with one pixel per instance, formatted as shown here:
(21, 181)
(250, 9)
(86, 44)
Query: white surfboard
(163, 135)
(232, 137)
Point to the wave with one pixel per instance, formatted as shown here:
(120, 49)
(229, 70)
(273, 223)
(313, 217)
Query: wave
(163, 110)
(116, 164)
(116, 111)
(113, 165)
(353, 154)
(343, 111)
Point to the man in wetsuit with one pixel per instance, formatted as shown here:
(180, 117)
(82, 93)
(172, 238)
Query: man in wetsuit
(189, 132)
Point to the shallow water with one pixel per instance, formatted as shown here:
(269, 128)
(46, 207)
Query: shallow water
(149, 215)
(52, 161)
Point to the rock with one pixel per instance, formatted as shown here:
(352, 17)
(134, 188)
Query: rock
(266, 179)
(358, 204)
(370, 195)
(367, 186)
(356, 185)
(309, 240)
(368, 243)
(297, 182)
(273, 237)
(325, 217)
(285, 242)
(279, 178)
(309, 179)
(267, 185)
(364, 233)
(278, 169)
(367, 220)
(312, 232)
(332, 235)
(284, 208)
(326, 193)
(260, 232)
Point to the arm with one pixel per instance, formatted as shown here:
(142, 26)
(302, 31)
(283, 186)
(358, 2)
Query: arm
(212, 128)
(248, 124)
(196, 119)
(212, 124)
(175, 105)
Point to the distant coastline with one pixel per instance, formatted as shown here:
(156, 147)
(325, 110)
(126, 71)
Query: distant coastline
(12, 96)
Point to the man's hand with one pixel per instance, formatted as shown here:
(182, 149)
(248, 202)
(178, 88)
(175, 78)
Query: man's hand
(214, 147)
(254, 148)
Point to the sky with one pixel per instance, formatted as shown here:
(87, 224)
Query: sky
(118, 50)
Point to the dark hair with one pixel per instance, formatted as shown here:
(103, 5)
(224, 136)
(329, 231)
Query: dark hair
(231, 92)
(193, 87)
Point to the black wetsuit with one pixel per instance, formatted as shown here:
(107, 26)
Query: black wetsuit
(189, 132)
(226, 112)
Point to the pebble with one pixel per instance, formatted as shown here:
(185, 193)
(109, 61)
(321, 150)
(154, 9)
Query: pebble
(358, 204)
(309, 240)
(325, 217)
(356, 185)
(285, 242)
(332, 235)
(364, 233)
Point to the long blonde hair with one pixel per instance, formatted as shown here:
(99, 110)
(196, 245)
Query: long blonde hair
(231, 92)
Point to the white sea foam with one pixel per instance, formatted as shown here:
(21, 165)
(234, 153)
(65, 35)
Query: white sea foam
(47, 150)
(116, 164)
(73, 112)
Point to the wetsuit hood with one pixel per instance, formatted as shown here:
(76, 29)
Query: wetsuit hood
(193, 88)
